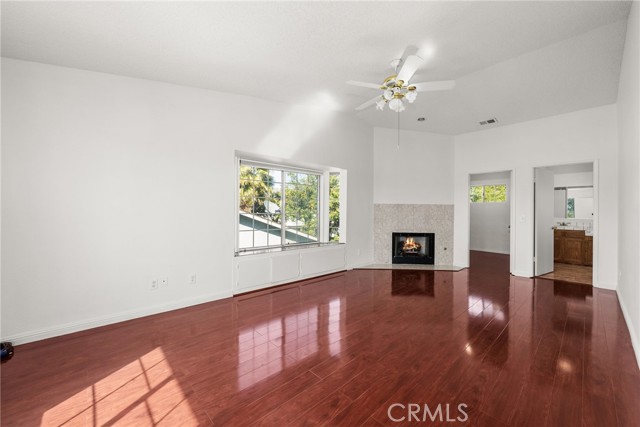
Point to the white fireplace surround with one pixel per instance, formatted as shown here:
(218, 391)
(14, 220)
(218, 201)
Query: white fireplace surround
(390, 218)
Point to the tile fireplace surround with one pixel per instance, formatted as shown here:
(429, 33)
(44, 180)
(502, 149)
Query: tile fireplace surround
(436, 219)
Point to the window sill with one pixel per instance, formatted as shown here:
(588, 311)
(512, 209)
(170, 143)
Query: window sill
(285, 248)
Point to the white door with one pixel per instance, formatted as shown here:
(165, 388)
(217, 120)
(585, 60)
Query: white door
(544, 203)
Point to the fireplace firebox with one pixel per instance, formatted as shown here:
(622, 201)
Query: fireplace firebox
(413, 248)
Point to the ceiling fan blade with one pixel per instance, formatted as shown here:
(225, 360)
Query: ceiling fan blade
(409, 68)
(367, 104)
(433, 86)
(364, 84)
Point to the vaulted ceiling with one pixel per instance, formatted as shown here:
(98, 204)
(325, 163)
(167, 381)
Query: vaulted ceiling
(515, 61)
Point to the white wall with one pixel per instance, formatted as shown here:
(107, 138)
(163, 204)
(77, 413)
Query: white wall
(420, 171)
(578, 179)
(582, 136)
(489, 222)
(108, 181)
(580, 193)
(413, 189)
(629, 158)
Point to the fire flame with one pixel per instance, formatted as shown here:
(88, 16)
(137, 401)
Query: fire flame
(411, 245)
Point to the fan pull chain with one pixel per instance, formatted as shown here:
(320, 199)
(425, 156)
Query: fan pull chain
(398, 147)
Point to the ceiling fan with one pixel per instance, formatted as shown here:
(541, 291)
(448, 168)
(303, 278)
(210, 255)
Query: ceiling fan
(396, 88)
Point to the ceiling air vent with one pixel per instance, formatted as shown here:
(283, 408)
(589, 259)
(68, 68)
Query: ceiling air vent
(489, 121)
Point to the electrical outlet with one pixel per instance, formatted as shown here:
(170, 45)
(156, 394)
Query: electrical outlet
(153, 284)
(164, 282)
(192, 279)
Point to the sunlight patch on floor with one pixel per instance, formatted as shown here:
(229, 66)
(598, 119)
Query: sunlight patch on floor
(143, 393)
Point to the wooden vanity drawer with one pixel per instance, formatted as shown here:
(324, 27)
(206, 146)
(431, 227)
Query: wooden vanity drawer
(574, 233)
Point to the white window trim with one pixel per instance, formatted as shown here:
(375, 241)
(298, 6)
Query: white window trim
(248, 159)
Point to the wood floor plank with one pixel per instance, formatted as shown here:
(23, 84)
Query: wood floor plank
(534, 402)
(248, 413)
(627, 395)
(326, 409)
(297, 407)
(566, 401)
(340, 351)
(581, 274)
(359, 410)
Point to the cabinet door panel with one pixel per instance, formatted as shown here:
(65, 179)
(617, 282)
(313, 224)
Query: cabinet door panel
(573, 250)
(587, 251)
(557, 246)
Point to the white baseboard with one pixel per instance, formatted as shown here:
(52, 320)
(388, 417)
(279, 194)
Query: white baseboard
(605, 285)
(359, 265)
(286, 282)
(522, 274)
(493, 251)
(635, 343)
(83, 325)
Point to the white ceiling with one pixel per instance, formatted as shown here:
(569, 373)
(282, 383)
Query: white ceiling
(515, 61)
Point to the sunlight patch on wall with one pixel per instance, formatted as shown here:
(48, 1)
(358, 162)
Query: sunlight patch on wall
(299, 125)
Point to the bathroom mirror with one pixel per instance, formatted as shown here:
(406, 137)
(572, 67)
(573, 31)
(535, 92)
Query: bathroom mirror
(573, 202)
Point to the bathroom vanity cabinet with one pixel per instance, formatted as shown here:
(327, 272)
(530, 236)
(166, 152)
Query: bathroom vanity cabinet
(572, 247)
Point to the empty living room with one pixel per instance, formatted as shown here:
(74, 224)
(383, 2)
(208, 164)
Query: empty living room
(320, 213)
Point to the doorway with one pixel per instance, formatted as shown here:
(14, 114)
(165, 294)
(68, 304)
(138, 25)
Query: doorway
(564, 212)
(490, 213)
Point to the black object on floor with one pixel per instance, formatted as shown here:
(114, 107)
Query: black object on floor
(6, 351)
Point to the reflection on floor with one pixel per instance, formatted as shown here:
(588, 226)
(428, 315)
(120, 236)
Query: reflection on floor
(571, 273)
(428, 267)
(350, 349)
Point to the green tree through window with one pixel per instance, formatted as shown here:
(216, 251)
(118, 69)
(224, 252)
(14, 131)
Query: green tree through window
(301, 203)
(278, 207)
(334, 208)
(571, 207)
(495, 193)
(476, 194)
(257, 192)
(488, 193)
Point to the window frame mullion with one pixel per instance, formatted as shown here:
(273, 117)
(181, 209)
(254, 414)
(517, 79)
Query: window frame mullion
(283, 215)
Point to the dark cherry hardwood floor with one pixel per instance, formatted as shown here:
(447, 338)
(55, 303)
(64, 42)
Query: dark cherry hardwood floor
(340, 351)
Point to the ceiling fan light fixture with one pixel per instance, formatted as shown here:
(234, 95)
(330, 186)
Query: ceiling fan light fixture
(388, 94)
(398, 86)
(389, 82)
(396, 105)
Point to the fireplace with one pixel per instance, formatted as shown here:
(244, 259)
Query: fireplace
(413, 248)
